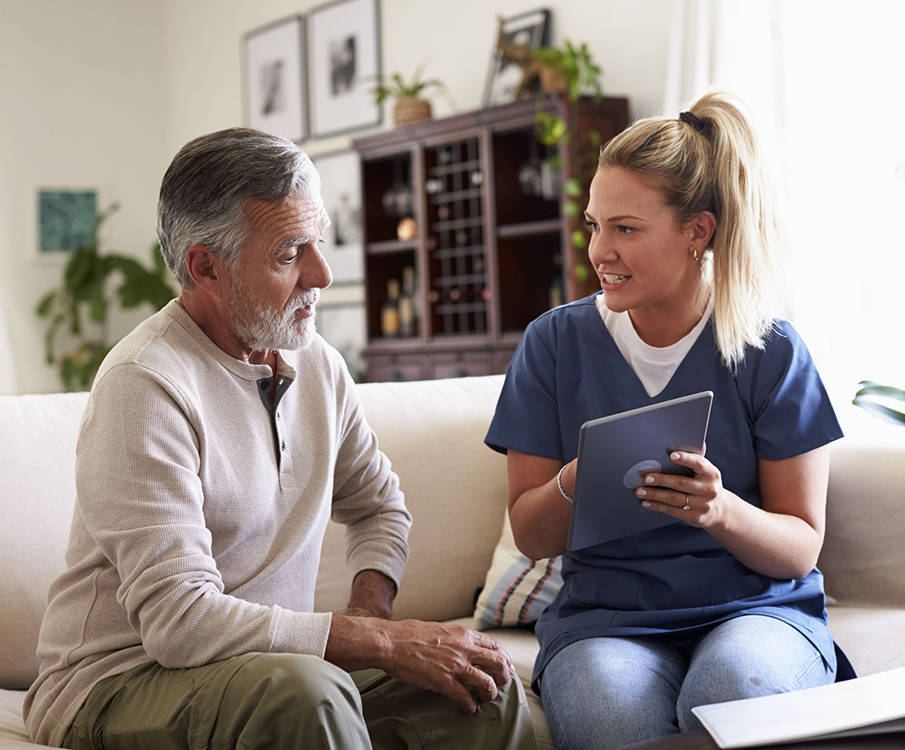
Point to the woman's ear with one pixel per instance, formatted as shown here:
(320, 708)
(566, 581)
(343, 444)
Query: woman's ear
(700, 230)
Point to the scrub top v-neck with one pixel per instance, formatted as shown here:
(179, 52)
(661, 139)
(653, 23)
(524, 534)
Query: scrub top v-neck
(567, 370)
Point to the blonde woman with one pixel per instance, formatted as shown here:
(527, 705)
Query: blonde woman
(725, 602)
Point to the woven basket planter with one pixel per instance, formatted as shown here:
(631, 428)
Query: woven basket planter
(410, 109)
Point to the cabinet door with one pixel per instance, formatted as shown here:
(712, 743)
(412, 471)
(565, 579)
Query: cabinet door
(395, 367)
(461, 364)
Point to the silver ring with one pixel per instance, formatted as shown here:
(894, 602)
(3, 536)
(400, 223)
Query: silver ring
(686, 506)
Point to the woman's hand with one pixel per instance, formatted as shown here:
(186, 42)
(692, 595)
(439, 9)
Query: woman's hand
(700, 500)
(781, 538)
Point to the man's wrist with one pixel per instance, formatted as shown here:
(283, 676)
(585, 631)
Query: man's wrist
(372, 595)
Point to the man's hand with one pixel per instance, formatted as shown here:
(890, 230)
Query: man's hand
(455, 661)
(372, 595)
(458, 662)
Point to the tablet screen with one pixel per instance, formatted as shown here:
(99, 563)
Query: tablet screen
(614, 452)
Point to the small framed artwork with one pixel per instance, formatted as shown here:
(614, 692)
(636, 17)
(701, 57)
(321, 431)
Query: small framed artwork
(343, 64)
(67, 220)
(343, 326)
(342, 247)
(531, 30)
(275, 86)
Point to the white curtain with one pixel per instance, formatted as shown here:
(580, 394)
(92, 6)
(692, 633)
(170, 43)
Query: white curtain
(824, 81)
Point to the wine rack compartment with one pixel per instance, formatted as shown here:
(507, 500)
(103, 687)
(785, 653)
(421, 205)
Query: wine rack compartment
(465, 235)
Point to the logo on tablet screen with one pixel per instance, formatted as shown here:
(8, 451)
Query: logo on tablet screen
(634, 477)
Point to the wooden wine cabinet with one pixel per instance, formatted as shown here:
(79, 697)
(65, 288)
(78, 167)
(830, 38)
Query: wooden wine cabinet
(492, 248)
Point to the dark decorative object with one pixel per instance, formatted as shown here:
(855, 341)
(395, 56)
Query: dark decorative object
(514, 72)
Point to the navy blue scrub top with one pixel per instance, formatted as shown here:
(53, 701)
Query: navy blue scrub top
(567, 369)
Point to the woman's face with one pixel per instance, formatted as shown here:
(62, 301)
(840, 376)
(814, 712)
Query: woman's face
(642, 255)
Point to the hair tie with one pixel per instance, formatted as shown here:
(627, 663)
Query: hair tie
(704, 127)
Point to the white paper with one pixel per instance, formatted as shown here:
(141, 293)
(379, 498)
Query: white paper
(851, 707)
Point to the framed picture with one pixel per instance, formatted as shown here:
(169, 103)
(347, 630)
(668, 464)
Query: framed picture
(275, 86)
(341, 190)
(67, 219)
(530, 29)
(343, 326)
(343, 62)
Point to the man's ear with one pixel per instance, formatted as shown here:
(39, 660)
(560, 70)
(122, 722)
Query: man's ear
(204, 268)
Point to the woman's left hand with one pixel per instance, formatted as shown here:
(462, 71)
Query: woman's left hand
(700, 500)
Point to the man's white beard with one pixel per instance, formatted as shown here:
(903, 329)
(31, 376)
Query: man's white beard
(261, 328)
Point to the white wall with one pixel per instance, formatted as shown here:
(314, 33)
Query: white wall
(82, 93)
(104, 92)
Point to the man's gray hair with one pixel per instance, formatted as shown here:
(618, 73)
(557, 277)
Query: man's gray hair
(204, 190)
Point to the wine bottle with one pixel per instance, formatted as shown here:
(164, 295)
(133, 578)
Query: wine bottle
(389, 313)
(407, 314)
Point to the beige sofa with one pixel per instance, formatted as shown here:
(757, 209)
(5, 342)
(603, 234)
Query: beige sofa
(456, 489)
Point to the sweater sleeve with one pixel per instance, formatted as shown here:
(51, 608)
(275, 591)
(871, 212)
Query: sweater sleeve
(366, 495)
(141, 501)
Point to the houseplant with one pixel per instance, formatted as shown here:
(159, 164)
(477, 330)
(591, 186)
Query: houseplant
(80, 305)
(570, 71)
(411, 103)
(881, 400)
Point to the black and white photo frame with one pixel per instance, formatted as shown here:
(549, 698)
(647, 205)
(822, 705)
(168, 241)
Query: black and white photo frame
(342, 245)
(343, 66)
(275, 80)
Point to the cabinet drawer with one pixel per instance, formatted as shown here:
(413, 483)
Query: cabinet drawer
(387, 367)
(461, 364)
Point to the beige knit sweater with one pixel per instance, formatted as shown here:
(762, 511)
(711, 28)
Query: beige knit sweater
(199, 518)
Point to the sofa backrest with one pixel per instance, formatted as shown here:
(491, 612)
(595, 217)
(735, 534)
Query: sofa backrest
(863, 557)
(455, 488)
(37, 459)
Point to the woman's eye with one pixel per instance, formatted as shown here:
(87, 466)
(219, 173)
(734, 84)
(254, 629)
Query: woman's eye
(623, 229)
(592, 225)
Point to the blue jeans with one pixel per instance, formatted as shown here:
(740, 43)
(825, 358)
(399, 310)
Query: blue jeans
(607, 692)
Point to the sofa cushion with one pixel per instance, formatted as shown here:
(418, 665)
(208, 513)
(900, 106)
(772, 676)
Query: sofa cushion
(863, 556)
(516, 590)
(38, 435)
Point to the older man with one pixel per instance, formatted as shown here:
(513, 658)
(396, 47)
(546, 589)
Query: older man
(220, 436)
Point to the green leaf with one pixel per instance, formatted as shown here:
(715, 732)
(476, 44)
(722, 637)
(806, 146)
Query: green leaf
(46, 304)
(578, 238)
(572, 187)
(581, 272)
(570, 208)
(867, 398)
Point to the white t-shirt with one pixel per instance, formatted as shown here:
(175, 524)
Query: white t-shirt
(653, 365)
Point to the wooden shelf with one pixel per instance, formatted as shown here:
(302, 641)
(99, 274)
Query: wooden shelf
(493, 247)
(528, 228)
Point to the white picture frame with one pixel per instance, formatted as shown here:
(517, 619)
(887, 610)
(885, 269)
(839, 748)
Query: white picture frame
(275, 83)
(342, 245)
(344, 65)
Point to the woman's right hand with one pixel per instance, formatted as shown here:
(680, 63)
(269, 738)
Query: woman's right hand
(538, 512)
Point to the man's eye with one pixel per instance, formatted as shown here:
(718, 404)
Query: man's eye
(287, 259)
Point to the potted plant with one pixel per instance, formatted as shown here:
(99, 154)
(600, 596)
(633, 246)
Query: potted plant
(81, 304)
(569, 69)
(411, 104)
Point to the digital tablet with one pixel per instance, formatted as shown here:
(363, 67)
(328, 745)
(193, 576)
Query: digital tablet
(615, 452)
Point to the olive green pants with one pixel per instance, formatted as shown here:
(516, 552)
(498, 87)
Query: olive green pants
(281, 701)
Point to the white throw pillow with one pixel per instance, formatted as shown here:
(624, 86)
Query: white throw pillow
(516, 589)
